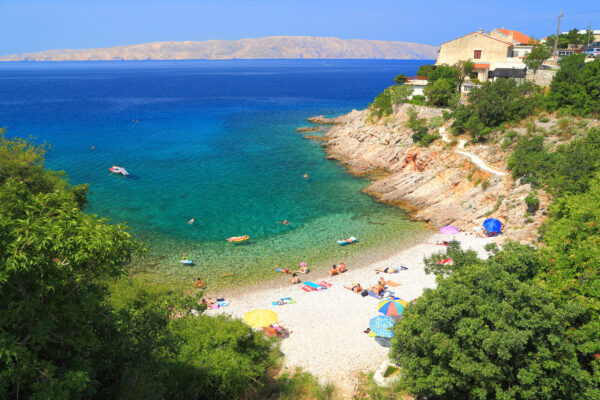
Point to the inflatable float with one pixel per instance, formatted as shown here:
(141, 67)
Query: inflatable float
(350, 240)
(186, 262)
(238, 238)
(118, 170)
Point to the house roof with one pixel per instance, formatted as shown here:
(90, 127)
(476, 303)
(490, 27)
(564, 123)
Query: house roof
(518, 36)
(479, 33)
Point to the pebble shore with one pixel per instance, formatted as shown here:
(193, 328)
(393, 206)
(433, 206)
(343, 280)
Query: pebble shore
(327, 337)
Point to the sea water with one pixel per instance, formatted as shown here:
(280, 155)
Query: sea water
(215, 141)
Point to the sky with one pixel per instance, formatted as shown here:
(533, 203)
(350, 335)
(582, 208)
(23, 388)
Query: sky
(36, 25)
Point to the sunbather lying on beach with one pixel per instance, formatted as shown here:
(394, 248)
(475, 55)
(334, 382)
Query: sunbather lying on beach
(389, 270)
(295, 279)
(284, 270)
(356, 288)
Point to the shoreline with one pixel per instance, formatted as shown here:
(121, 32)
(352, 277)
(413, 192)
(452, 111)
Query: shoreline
(327, 326)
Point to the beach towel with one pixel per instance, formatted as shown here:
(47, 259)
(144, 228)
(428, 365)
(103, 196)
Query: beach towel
(222, 303)
(394, 284)
(314, 285)
(285, 300)
(308, 288)
(325, 284)
(372, 294)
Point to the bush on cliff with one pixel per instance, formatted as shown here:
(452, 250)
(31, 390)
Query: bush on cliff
(576, 86)
(420, 129)
(495, 103)
(567, 169)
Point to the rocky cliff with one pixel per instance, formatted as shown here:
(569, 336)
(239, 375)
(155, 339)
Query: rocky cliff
(275, 47)
(436, 183)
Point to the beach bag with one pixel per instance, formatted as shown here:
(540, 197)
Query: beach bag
(364, 293)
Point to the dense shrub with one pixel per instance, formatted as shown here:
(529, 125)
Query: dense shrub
(420, 130)
(567, 169)
(491, 331)
(493, 104)
(382, 105)
(576, 86)
(533, 203)
(440, 92)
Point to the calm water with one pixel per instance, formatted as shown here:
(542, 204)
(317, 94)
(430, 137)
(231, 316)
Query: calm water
(214, 140)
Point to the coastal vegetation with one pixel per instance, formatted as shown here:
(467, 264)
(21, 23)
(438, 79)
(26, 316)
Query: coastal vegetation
(75, 324)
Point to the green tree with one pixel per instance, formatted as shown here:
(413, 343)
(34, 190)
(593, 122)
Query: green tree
(464, 68)
(400, 79)
(440, 92)
(425, 70)
(400, 94)
(489, 331)
(537, 56)
(576, 86)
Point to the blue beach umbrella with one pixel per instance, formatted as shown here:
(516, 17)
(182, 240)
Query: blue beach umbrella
(381, 326)
(492, 225)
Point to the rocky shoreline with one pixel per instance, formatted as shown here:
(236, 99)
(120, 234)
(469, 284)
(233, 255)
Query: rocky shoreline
(434, 184)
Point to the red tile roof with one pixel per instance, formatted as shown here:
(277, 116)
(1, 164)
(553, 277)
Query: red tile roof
(518, 36)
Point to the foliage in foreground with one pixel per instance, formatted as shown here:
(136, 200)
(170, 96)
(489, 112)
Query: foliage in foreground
(62, 333)
(491, 330)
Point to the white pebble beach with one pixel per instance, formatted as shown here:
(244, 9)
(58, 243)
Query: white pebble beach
(327, 327)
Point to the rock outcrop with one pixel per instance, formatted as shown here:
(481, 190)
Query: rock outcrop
(434, 183)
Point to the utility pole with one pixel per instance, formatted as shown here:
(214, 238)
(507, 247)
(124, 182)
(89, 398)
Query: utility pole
(589, 33)
(555, 52)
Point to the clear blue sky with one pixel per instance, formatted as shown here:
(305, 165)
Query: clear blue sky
(34, 25)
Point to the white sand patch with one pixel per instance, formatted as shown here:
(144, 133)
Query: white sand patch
(327, 327)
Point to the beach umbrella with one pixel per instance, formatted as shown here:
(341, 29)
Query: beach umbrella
(449, 230)
(492, 225)
(260, 318)
(381, 326)
(392, 307)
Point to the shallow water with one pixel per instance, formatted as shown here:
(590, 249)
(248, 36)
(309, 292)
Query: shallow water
(214, 140)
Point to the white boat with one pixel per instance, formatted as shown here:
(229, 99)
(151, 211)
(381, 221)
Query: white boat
(118, 170)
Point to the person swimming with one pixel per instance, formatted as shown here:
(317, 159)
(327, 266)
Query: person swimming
(191, 221)
(305, 176)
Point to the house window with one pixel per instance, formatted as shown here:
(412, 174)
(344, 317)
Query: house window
(477, 54)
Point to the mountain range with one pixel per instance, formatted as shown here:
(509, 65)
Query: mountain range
(274, 47)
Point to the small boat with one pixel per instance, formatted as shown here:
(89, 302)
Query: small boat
(118, 170)
(186, 262)
(350, 240)
(238, 238)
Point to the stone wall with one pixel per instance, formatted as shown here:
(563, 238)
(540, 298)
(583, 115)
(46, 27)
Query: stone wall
(542, 77)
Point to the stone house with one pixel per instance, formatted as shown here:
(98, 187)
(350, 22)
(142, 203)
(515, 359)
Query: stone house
(496, 54)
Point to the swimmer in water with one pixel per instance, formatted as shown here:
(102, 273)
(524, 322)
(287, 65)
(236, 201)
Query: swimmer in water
(93, 147)
(284, 222)
(191, 221)
(305, 176)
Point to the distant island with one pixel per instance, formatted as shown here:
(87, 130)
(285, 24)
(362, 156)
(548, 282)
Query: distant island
(274, 47)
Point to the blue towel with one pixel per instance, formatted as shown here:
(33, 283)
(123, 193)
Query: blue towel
(313, 285)
(372, 293)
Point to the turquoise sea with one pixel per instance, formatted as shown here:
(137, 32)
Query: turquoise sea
(213, 140)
